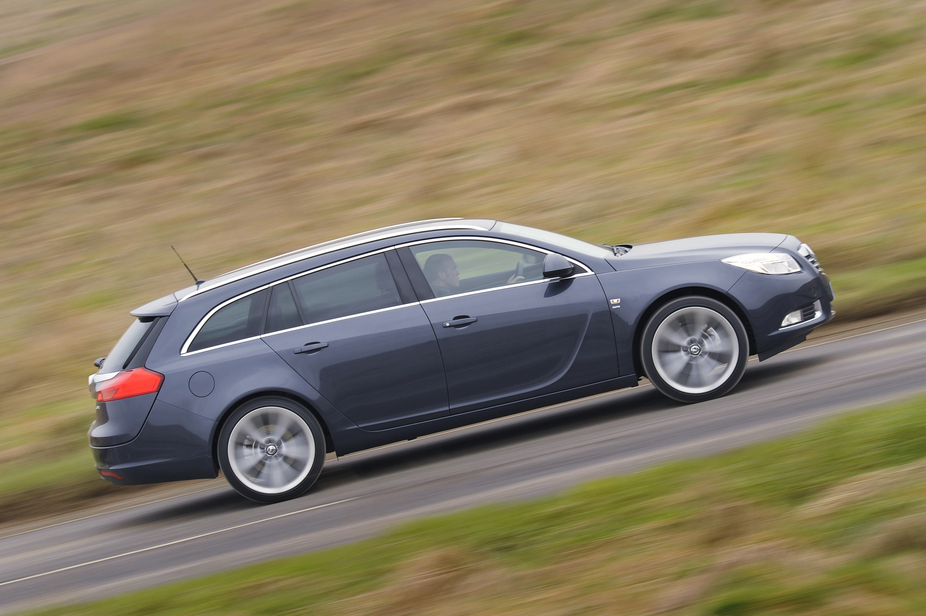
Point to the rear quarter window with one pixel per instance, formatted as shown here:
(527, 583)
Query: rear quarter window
(235, 321)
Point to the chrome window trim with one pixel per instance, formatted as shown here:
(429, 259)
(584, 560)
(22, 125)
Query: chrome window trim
(504, 287)
(186, 345)
(218, 346)
(350, 316)
(185, 352)
(499, 240)
(437, 224)
(587, 272)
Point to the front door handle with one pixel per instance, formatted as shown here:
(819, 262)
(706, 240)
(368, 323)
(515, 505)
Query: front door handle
(460, 322)
(310, 347)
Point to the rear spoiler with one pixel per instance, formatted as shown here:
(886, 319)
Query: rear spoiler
(158, 308)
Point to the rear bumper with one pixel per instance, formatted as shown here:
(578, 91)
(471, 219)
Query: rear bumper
(173, 445)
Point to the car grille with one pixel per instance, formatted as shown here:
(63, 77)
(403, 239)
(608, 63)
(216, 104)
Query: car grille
(813, 261)
(808, 254)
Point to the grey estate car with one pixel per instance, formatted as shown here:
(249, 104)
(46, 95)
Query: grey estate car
(404, 331)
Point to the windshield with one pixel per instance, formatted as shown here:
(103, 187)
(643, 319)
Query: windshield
(556, 239)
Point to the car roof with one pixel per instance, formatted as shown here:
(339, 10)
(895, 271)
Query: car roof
(436, 224)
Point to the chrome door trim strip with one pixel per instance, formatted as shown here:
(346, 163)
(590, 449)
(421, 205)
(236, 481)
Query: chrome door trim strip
(186, 345)
(184, 350)
(438, 224)
(497, 240)
(335, 320)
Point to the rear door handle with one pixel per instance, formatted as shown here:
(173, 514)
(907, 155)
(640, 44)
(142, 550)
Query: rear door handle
(460, 322)
(310, 347)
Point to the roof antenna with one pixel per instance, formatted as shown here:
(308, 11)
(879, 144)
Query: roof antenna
(198, 281)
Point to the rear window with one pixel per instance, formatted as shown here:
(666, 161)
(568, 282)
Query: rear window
(127, 346)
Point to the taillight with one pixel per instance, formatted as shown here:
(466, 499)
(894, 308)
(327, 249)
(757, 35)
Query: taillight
(129, 383)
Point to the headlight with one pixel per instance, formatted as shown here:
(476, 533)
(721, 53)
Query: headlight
(765, 263)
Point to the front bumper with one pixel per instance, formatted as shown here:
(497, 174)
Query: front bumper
(768, 299)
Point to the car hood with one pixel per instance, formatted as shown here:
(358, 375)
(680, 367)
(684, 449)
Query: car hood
(695, 249)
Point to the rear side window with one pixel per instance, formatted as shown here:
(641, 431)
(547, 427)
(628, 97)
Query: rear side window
(236, 321)
(127, 346)
(350, 288)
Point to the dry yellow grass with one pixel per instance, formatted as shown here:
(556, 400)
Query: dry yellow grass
(238, 130)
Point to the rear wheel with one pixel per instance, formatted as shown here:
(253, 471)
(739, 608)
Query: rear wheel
(271, 449)
(694, 349)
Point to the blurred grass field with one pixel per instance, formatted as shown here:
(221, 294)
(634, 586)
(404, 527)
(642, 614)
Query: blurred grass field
(830, 522)
(238, 130)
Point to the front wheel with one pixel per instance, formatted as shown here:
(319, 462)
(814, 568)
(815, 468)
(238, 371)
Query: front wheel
(271, 449)
(694, 349)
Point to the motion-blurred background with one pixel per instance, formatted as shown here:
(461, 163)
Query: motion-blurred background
(237, 130)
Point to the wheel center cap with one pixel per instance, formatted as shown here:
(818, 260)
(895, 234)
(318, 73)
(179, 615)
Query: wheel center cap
(695, 350)
(272, 450)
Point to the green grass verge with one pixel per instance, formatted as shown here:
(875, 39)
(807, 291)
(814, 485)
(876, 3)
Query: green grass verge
(830, 521)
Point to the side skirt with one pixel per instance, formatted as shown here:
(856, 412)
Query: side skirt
(357, 439)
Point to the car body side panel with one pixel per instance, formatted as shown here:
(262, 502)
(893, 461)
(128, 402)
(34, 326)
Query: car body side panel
(357, 439)
(636, 290)
(239, 371)
(379, 369)
(528, 340)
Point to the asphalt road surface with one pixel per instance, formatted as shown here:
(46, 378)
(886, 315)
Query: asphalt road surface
(213, 529)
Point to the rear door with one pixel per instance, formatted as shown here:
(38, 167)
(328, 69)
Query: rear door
(505, 332)
(367, 349)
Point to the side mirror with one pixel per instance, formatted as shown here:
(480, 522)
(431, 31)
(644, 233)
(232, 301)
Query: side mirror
(557, 266)
(99, 362)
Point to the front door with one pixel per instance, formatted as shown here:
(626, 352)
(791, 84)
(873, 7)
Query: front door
(505, 332)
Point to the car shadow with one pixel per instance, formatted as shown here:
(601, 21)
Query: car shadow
(473, 439)
(192, 507)
(517, 429)
(510, 431)
(759, 374)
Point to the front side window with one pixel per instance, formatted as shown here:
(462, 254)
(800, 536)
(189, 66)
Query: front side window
(236, 321)
(460, 266)
(350, 288)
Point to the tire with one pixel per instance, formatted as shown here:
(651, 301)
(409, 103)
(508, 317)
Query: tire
(694, 349)
(271, 449)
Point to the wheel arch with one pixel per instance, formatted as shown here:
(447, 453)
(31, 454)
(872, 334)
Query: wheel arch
(674, 294)
(223, 417)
